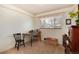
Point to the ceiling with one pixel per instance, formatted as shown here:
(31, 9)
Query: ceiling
(40, 8)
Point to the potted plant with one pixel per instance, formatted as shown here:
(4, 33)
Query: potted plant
(74, 15)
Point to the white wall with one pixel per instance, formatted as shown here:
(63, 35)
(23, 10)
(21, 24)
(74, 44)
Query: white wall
(55, 33)
(12, 22)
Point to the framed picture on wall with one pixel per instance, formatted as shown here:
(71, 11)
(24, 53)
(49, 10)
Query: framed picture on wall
(68, 21)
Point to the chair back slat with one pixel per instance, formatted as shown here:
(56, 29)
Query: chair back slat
(17, 36)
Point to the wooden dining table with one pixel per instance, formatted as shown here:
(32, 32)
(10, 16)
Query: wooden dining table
(32, 36)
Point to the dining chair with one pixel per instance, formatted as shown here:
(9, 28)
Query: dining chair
(18, 40)
(32, 36)
(67, 44)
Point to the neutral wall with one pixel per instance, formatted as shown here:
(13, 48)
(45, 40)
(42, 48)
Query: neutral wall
(12, 22)
(53, 33)
(56, 33)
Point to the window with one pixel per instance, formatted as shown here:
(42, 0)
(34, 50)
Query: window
(51, 22)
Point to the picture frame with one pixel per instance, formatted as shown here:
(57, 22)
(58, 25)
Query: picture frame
(68, 21)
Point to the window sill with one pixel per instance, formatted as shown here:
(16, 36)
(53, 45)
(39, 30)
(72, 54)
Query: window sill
(50, 28)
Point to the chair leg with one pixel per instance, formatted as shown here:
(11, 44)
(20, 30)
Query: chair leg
(65, 51)
(24, 43)
(15, 45)
(18, 46)
(31, 42)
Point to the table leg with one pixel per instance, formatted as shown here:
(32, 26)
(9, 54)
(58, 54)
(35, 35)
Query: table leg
(31, 42)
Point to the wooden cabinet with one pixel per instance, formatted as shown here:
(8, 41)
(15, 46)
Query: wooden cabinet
(75, 39)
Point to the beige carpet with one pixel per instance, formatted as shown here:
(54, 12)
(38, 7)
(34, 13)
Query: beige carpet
(38, 48)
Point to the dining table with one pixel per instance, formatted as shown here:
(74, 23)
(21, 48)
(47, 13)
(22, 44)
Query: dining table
(32, 35)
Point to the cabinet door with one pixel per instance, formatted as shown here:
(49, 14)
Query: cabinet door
(75, 40)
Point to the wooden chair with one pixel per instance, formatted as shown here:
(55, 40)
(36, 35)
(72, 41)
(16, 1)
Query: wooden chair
(19, 41)
(35, 35)
(67, 44)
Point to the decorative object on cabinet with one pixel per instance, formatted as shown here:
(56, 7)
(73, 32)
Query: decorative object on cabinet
(68, 21)
(74, 15)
